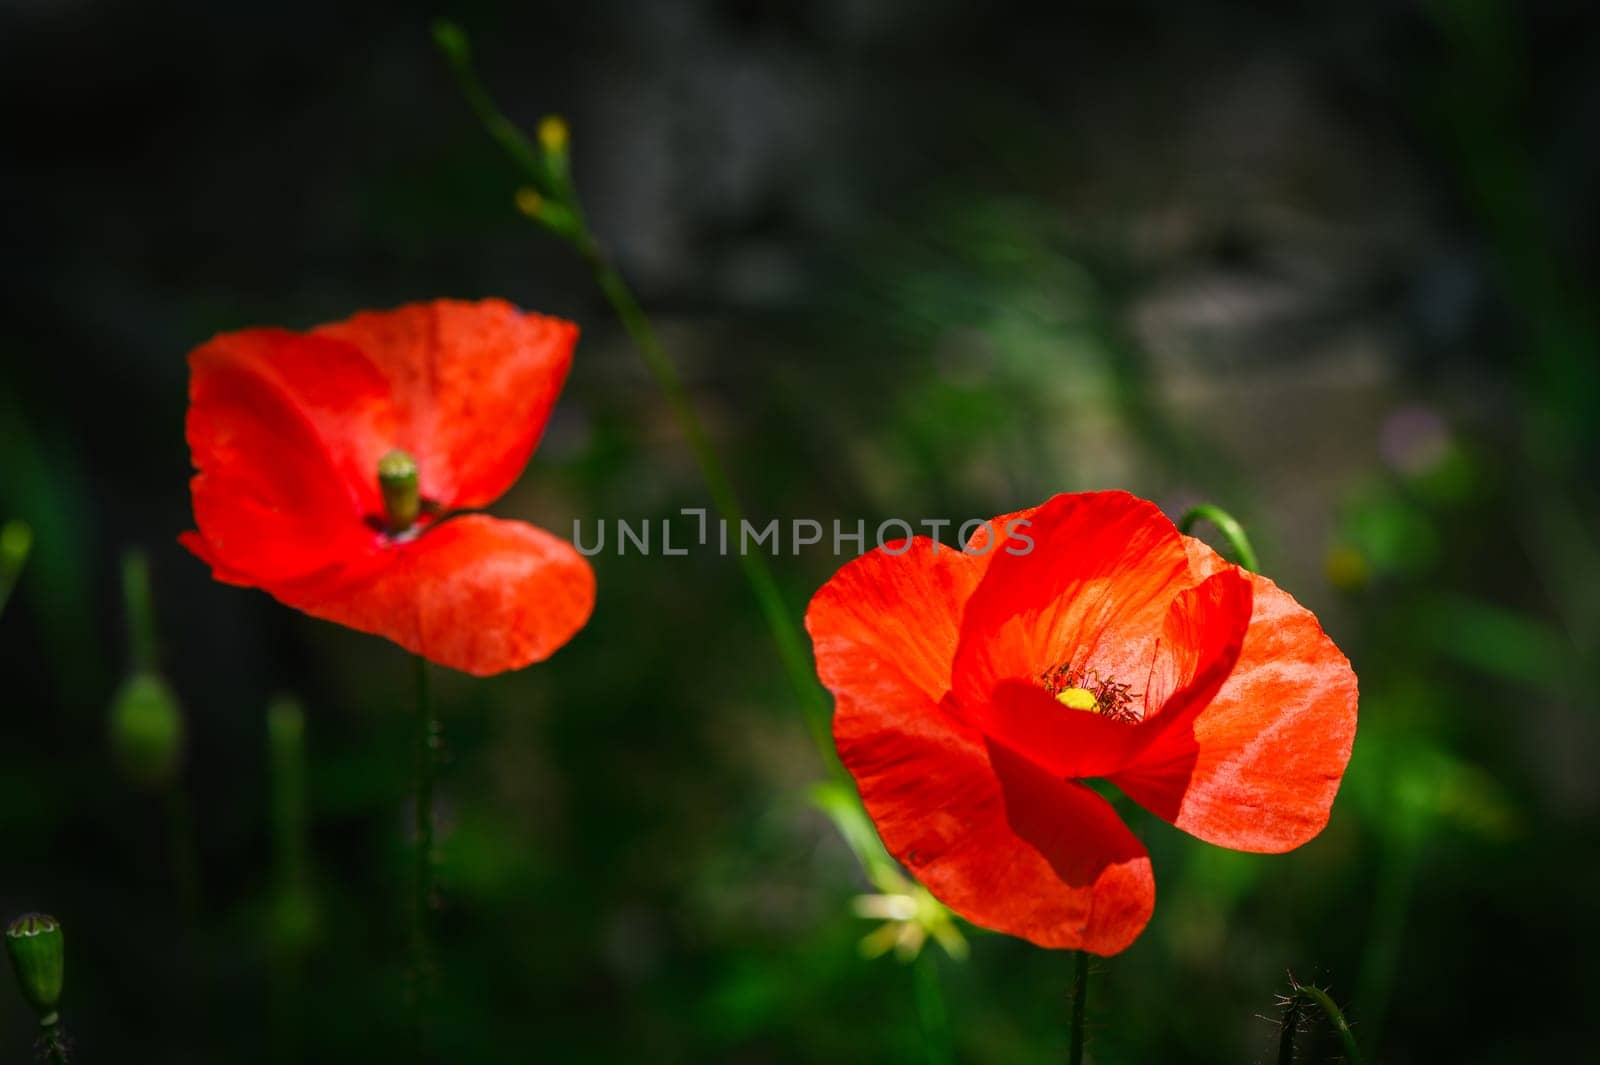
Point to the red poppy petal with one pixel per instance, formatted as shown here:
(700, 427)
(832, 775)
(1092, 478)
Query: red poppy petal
(1014, 524)
(1200, 646)
(998, 840)
(1203, 630)
(472, 386)
(198, 547)
(1271, 747)
(1066, 743)
(473, 593)
(893, 617)
(276, 424)
(1094, 589)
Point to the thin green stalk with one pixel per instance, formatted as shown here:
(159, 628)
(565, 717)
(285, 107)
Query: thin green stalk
(1230, 528)
(452, 41)
(141, 610)
(931, 1014)
(785, 634)
(144, 653)
(427, 743)
(1323, 1001)
(552, 201)
(1080, 999)
(294, 909)
(558, 208)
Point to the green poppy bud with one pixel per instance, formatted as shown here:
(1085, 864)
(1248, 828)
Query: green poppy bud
(147, 733)
(37, 955)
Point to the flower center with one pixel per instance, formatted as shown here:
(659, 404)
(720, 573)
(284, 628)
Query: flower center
(397, 479)
(1084, 689)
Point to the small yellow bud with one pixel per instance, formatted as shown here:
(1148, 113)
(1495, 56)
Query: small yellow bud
(1078, 699)
(529, 202)
(553, 133)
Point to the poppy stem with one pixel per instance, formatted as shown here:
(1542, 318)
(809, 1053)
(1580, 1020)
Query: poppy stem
(427, 743)
(294, 910)
(1230, 528)
(141, 612)
(1080, 998)
(1291, 1028)
(1323, 1001)
(931, 1012)
(551, 200)
(554, 204)
(55, 1044)
(785, 635)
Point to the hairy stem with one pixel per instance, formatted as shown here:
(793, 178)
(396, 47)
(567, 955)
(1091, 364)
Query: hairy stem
(1323, 1001)
(1291, 1026)
(55, 1042)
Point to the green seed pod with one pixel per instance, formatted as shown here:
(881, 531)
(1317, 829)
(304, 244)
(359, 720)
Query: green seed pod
(147, 733)
(35, 945)
(397, 479)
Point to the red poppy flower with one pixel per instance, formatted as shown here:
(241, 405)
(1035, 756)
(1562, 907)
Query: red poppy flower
(977, 690)
(287, 431)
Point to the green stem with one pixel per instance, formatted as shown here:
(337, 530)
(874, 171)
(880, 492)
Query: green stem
(930, 1009)
(1323, 1001)
(293, 907)
(141, 612)
(1080, 998)
(785, 634)
(452, 41)
(427, 743)
(1230, 528)
(553, 181)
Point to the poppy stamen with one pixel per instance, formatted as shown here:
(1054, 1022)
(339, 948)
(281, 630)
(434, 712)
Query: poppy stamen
(402, 501)
(1085, 689)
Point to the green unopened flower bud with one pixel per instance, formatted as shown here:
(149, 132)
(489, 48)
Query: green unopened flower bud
(397, 479)
(147, 731)
(37, 955)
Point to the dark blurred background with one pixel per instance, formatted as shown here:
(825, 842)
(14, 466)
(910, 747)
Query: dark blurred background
(1331, 266)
